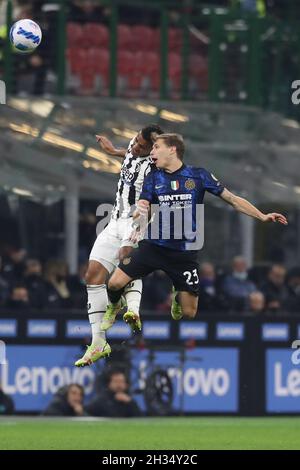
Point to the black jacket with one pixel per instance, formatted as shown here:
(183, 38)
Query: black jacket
(105, 404)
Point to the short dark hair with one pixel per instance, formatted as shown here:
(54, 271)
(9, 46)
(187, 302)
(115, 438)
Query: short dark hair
(149, 133)
(174, 140)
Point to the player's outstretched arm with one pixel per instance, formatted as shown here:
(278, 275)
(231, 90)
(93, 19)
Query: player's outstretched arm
(244, 206)
(108, 147)
(140, 221)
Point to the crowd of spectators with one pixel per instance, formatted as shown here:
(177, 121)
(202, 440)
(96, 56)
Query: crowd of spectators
(112, 399)
(26, 283)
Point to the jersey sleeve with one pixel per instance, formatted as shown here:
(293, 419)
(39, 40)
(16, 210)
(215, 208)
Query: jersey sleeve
(148, 188)
(211, 183)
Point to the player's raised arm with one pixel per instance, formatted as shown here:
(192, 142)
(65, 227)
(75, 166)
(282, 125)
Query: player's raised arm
(108, 147)
(244, 206)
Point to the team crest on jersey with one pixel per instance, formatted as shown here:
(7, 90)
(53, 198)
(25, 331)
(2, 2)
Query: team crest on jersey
(126, 261)
(190, 184)
(175, 185)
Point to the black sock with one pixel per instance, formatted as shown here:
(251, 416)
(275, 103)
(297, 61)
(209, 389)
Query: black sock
(114, 295)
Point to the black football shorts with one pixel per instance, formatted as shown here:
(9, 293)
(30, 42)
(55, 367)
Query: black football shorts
(180, 266)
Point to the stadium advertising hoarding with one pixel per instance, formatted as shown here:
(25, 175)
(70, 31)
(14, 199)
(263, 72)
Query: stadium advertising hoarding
(33, 374)
(208, 377)
(204, 379)
(282, 381)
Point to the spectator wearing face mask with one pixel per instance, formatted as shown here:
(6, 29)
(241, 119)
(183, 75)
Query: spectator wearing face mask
(236, 286)
(275, 289)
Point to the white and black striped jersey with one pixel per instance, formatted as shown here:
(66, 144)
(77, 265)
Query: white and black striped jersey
(133, 172)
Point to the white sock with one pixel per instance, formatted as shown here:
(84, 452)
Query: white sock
(133, 295)
(97, 303)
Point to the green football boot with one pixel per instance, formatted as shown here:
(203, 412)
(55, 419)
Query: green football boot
(93, 354)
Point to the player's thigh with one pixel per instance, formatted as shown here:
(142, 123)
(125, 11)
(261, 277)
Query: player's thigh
(106, 248)
(118, 280)
(96, 273)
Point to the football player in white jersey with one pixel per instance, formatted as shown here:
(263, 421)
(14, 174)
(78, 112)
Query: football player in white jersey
(113, 245)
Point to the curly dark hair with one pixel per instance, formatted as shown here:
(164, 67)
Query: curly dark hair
(149, 133)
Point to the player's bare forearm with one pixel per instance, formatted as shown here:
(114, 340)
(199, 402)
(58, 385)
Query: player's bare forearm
(242, 205)
(143, 207)
(109, 148)
(140, 221)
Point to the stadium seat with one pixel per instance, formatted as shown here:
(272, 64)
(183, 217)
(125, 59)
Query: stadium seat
(98, 60)
(175, 39)
(125, 62)
(96, 35)
(124, 37)
(141, 38)
(77, 57)
(74, 34)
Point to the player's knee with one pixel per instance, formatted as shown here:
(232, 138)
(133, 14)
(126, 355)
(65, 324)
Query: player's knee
(189, 312)
(95, 275)
(114, 284)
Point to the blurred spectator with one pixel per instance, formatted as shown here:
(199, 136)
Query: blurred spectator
(6, 404)
(274, 288)
(35, 283)
(14, 264)
(257, 302)
(77, 287)
(165, 307)
(19, 298)
(156, 289)
(237, 286)
(114, 399)
(4, 286)
(68, 401)
(293, 301)
(208, 300)
(58, 293)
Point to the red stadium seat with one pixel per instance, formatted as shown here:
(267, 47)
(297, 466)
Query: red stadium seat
(99, 59)
(77, 59)
(124, 37)
(141, 38)
(175, 39)
(96, 35)
(125, 63)
(74, 34)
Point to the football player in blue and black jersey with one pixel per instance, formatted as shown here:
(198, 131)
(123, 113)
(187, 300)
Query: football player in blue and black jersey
(176, 191)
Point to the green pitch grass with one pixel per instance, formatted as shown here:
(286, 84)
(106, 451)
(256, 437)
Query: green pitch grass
(152, 433)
